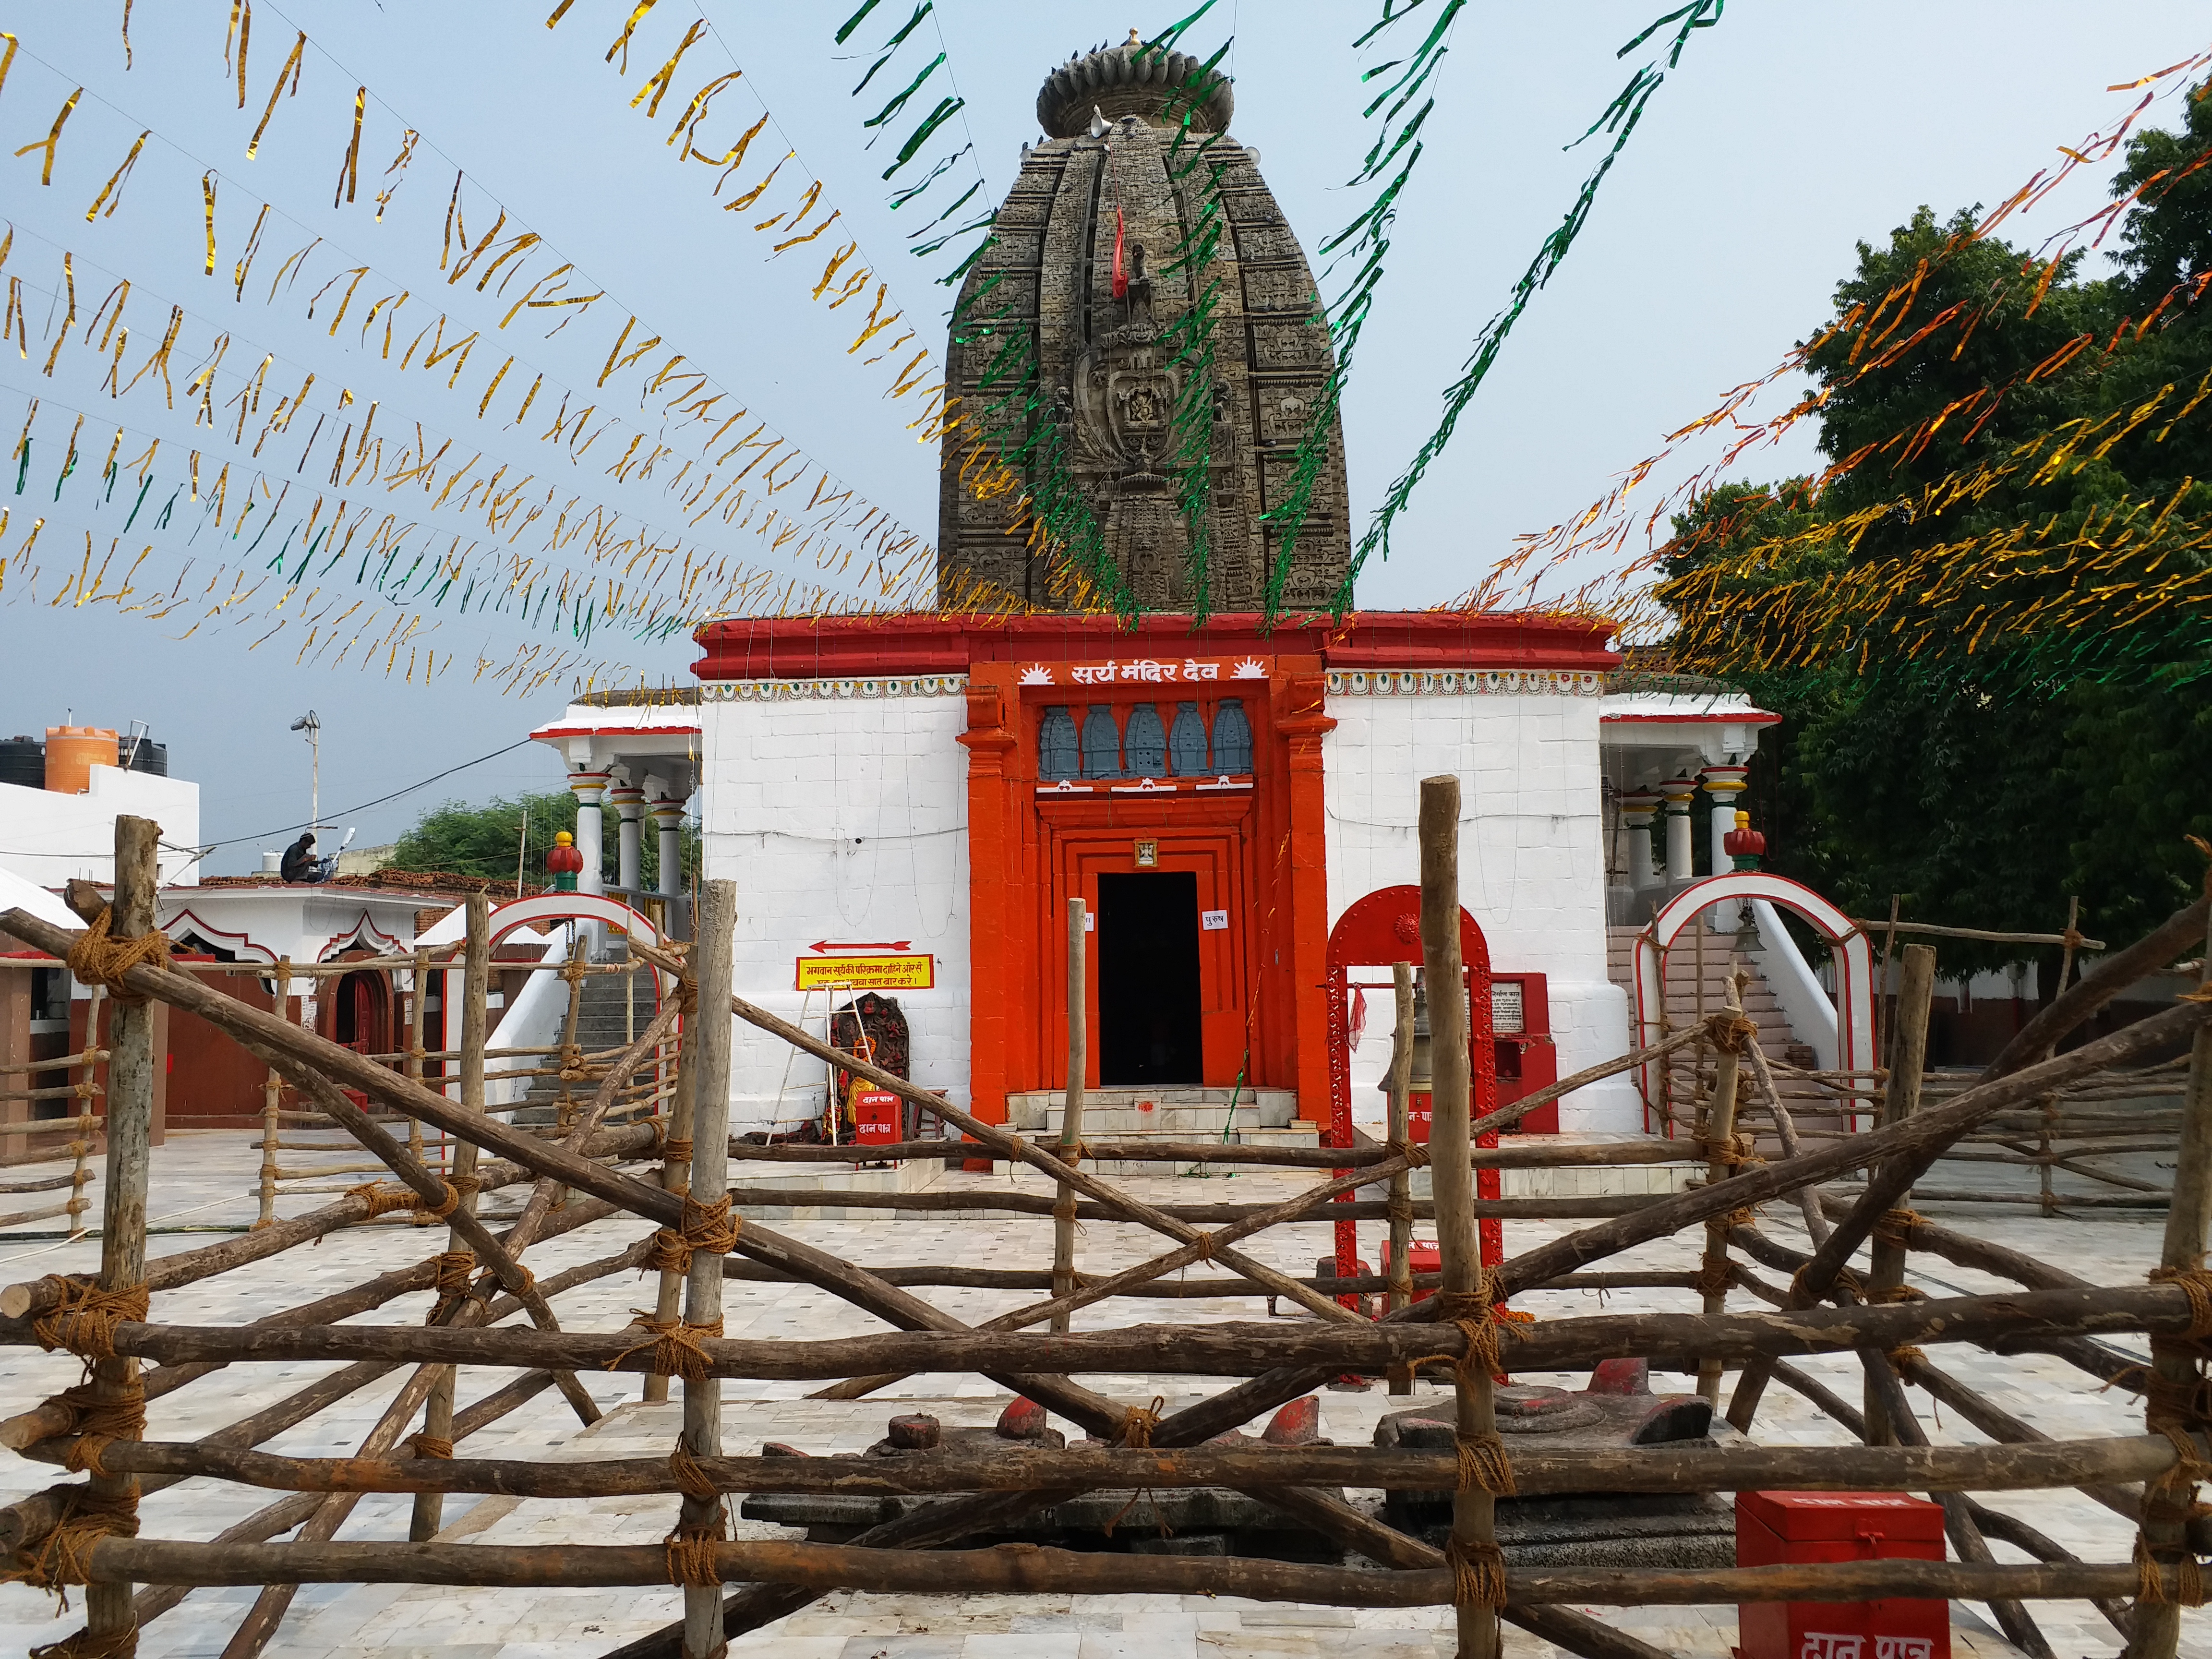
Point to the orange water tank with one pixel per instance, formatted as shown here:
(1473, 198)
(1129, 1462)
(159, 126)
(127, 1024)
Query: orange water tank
(72, 753)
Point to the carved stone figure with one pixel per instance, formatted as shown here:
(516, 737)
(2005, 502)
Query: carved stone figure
(1137, 410)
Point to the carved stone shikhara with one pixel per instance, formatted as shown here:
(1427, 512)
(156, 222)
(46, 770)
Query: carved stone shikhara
(1102, 369)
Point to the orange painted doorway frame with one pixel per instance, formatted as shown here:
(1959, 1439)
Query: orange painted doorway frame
(1017, 890)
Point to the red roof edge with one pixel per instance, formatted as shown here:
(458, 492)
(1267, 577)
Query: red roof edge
(849, 648)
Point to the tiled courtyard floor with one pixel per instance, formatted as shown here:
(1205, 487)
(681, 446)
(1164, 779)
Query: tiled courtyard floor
(205, 1180)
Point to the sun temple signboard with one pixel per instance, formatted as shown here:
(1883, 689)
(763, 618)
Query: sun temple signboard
(902, 970)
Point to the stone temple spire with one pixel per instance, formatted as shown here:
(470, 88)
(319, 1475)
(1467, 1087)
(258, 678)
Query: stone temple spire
(1069, 320)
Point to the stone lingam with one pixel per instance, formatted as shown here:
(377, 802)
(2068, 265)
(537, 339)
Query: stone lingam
(1607, 1529)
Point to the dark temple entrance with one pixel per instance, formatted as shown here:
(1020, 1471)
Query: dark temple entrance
(1148, 986)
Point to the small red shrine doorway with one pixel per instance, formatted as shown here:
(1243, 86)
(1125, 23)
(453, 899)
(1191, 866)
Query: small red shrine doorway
(1375, 931)
(360, 1011)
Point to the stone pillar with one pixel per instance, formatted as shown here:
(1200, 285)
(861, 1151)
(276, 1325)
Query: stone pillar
(668, 819)
(629, 801)
(1724, 784)
(591, 788)
(1637, 811)
(1681, 862)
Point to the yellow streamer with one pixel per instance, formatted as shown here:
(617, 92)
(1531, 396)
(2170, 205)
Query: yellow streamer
(349, 169)
(116, 180)
(54, 137)
(291, 68)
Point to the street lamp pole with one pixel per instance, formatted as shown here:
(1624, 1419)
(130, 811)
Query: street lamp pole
(313, 728)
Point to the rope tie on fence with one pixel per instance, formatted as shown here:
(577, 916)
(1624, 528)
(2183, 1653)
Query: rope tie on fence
(687, 995)
(86, 1319)
(2196, 1282)
(711, 1228)
(1137, 1425)
(428, 1445)
(2150, 1582)
(1905, 1354)
(99, 1419)
(1896, 1227)
(1415, 1154)
(383, 1201)
(1476, 1314)
(1845, 1280)
(63, 1556)
(677, 1151)
(1478, 1573)
(1729, 1032)
(1483, 1466)
(1733, 1153)
(454, 1270)
(691, 1549)
(1400, 1211)
(1714, 1276)
(116, 1644)
(97, 959)
(690, 1474)
(674, 1345)
(1880, 1294)
(1205, 1242)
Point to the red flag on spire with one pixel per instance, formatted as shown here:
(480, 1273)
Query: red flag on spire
(1121, 275)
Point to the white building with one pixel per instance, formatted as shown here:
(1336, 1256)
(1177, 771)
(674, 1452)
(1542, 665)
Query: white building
(908, 805)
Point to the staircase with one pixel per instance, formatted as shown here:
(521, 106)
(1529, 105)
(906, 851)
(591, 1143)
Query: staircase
(1689, 1001)
(1134, 1116)
(615, 1007)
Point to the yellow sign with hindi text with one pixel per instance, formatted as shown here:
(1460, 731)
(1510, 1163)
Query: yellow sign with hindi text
(891, 971)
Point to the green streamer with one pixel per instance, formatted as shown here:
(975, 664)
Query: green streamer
(890, 48)
(853, 22)
(944, 112)
(1620, 118)
(898, 103)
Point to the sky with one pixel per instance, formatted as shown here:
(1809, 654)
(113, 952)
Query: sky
(1787, 135)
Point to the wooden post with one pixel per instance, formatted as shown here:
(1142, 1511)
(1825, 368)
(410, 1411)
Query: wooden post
(1071, 1119)
(272, 1101)
(1722, 1162)
(2174, 1373)
(87, 1124)
(131, 1072)
(702, 1291)
(1474, 1531)
(1916, 993)
(1400, 1107)
(438, 1409)
(1401, 1206)
(412, 1066)
(676, 1170)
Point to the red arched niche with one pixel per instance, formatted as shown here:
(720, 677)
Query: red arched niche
(1385, 927)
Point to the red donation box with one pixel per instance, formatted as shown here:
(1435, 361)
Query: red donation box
(875, 1117)
(1774, 1528)
(1421, 1257)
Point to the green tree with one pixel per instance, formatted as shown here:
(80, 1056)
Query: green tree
(1984, 776)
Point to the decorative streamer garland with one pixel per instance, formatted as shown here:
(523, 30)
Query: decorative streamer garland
(421, 462)
(1605, 524)
(1366, 239)
(1621, 118)
(485, 256)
